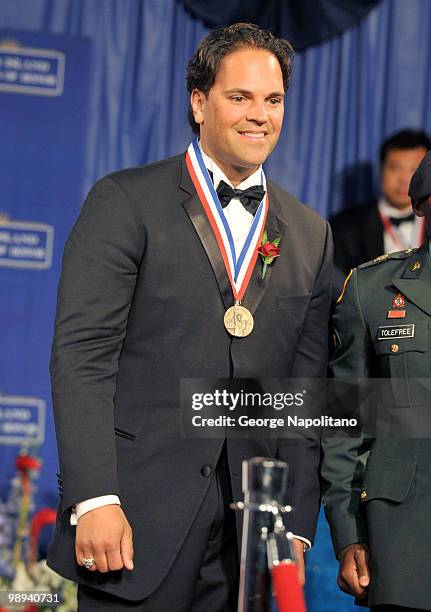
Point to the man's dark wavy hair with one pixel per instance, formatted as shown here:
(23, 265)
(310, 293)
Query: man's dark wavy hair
(404, 139)
(202, 68)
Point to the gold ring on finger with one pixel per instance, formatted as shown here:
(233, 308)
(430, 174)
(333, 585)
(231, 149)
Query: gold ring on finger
(88, 562)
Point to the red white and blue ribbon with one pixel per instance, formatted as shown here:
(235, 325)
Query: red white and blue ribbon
(239, 266)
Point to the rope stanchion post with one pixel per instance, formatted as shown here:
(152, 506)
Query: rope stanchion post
(268, 563)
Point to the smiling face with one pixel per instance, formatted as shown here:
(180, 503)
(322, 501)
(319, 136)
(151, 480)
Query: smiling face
(241, 116)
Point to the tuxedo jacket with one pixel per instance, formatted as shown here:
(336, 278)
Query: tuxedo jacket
(358, 236)
(377, 489)
(141, 302)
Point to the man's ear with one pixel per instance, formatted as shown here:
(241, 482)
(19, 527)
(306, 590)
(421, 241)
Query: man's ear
(420, 205)
(418, 210)
(197, 102)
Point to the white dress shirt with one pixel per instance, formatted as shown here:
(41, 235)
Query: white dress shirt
(237, 216)
(407, 235)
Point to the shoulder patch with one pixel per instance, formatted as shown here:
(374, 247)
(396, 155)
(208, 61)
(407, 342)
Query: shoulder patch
(340, 297)
(388, 256)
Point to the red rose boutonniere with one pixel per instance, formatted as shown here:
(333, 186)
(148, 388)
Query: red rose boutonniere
(268, 251)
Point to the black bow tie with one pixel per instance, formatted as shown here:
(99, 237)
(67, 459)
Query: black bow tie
(250, 198)
(396, 221)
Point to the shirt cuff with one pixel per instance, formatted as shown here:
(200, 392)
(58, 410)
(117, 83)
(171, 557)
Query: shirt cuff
(92, 504)
(307, 543)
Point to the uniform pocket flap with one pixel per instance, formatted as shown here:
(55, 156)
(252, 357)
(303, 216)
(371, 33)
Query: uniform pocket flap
(387, 478)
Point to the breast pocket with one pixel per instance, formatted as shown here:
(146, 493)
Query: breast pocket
(388, 478)
(293, 302)
(291, 311)
(403, 352)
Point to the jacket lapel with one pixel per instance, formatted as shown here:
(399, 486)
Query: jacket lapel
(415, 281)
(275, 226)
(197, 215)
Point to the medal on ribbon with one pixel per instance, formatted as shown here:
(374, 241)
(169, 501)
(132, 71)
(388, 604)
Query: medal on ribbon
(238, 320)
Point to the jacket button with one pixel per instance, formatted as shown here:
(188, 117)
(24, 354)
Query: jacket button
(206, 471)
(394, 348)
(363, 494)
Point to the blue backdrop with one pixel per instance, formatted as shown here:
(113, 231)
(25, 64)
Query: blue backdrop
(44, 92)
(346, 95)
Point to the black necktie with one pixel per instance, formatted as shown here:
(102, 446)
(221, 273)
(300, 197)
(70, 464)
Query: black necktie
(250, 198)
(396, 221)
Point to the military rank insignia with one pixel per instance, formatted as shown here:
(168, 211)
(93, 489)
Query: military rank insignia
(397, 311)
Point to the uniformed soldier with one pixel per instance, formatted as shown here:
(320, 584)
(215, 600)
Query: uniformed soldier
(377, 491)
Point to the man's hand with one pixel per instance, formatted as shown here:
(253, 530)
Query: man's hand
(298, 546)
(354, 574)
(105, 535)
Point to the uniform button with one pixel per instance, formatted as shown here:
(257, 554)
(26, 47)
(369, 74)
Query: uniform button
(363, 494)
(206, 471)
(394, 348)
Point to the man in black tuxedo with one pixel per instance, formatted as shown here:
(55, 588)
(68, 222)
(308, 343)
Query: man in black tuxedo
(142, 300)
(388, 224)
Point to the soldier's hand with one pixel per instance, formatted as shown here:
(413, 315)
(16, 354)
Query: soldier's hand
(354, 574)
(299, 554)
(105, 535)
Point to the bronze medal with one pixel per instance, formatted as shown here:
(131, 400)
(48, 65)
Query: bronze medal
(238, 321)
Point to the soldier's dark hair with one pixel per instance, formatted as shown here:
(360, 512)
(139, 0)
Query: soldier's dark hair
(202, 68)
(404, 139)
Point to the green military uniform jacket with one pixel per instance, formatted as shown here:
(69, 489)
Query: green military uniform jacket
(378, 489)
